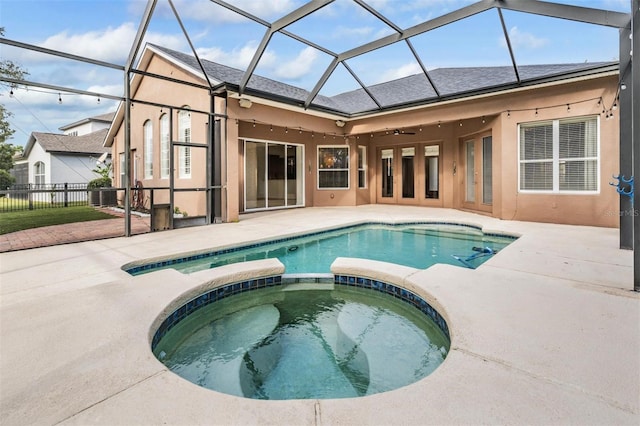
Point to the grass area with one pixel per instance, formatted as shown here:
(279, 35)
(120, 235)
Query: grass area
(27, 219)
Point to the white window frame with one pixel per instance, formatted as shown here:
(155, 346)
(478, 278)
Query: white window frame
(321, 170)
(164, 146)
(362, 166)
(556, 160)
(184, 135)
(148, 149)
(39, 173)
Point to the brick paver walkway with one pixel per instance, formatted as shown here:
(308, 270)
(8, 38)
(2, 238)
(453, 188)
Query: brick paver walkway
(72, 232)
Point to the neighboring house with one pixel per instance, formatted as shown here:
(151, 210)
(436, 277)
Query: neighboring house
(56, 159)
(538, 149)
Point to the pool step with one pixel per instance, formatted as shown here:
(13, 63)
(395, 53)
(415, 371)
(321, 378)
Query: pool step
(307, 278)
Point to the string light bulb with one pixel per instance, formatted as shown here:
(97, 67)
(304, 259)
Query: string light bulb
(254, 122)
(11, 93)
(568, 108)
(483, 120)
(99, 102)
(508, 114)
(271, 128)
(536, 112)
(615, 105)
(286, 130)
(59, 98)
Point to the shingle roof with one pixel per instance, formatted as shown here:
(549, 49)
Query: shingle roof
(91, 143)
(448, 81)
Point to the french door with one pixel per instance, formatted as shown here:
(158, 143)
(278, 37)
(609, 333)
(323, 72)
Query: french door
(274, 175)
(396, 171)
(477, 179)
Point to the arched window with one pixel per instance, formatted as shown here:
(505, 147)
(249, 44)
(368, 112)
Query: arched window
(184, 135)
(148, 150)
(38, 173)
(164, 146)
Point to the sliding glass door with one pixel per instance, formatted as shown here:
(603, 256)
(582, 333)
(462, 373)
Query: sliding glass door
(273, 175)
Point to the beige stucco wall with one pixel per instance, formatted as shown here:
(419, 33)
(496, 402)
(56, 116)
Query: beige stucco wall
(448, 125)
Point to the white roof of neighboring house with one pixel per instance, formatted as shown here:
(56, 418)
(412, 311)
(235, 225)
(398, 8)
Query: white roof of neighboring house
(105, 118)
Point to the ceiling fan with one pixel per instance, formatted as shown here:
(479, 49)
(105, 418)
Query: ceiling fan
(397, 132)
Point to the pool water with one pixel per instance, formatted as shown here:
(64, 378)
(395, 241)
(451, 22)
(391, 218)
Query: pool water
(415, 245)
(304, 341)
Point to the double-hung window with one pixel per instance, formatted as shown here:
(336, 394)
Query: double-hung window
(333, 167)
(559, 156)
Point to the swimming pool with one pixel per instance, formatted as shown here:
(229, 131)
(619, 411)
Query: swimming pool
(418, 245)
(344, 339)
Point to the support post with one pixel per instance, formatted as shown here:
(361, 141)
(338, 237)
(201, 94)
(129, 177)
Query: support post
(634, 76)
(626, 145)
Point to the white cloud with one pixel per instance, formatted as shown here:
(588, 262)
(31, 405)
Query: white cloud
(299, 66)
(347, 32)
(410, 68)
(205, 10)
(237, 57)
(110, 44)
(524, 40)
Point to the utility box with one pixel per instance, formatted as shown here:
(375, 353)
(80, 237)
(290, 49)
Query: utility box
(160, 217)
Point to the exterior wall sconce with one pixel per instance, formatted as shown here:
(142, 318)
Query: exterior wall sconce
(245, 103)
(340, 123)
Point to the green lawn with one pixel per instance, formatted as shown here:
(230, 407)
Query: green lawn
(27, 219)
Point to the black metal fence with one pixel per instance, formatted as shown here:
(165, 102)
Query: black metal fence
(43, 196)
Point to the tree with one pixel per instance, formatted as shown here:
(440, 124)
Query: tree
(8, 69)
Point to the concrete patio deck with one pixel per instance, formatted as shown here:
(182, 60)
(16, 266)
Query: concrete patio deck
(546, 332)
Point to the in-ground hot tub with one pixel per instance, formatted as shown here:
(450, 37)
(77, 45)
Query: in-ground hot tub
(268, 338)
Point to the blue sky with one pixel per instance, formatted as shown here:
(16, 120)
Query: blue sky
(105, 29)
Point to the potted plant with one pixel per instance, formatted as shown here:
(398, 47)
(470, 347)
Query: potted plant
(97, 195)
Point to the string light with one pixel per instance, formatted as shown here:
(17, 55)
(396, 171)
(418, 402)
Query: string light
(286, 130)
(300, 130)
(254, 122)
(99, 102)
(568, 108)
(59, 98)
(460, 123)
(536, 112)
(439, 124)
(483, 120)
(11, 93)
(508, 114)
(271, 128)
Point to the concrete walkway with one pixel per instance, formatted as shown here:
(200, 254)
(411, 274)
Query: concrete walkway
(546, 332)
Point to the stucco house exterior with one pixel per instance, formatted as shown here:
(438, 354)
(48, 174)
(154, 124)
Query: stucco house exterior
(539, 149)
(59, 158)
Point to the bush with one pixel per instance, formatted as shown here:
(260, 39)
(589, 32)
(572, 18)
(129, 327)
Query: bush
(102, 182)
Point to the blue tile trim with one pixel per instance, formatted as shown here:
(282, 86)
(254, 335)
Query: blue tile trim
(207, 298)
(399, 293)
(240, 287)
(160, 264)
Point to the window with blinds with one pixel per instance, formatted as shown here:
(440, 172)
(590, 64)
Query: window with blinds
(184, 135)
(559, 156)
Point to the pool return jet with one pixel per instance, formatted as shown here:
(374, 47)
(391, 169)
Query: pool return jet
(479, 252)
